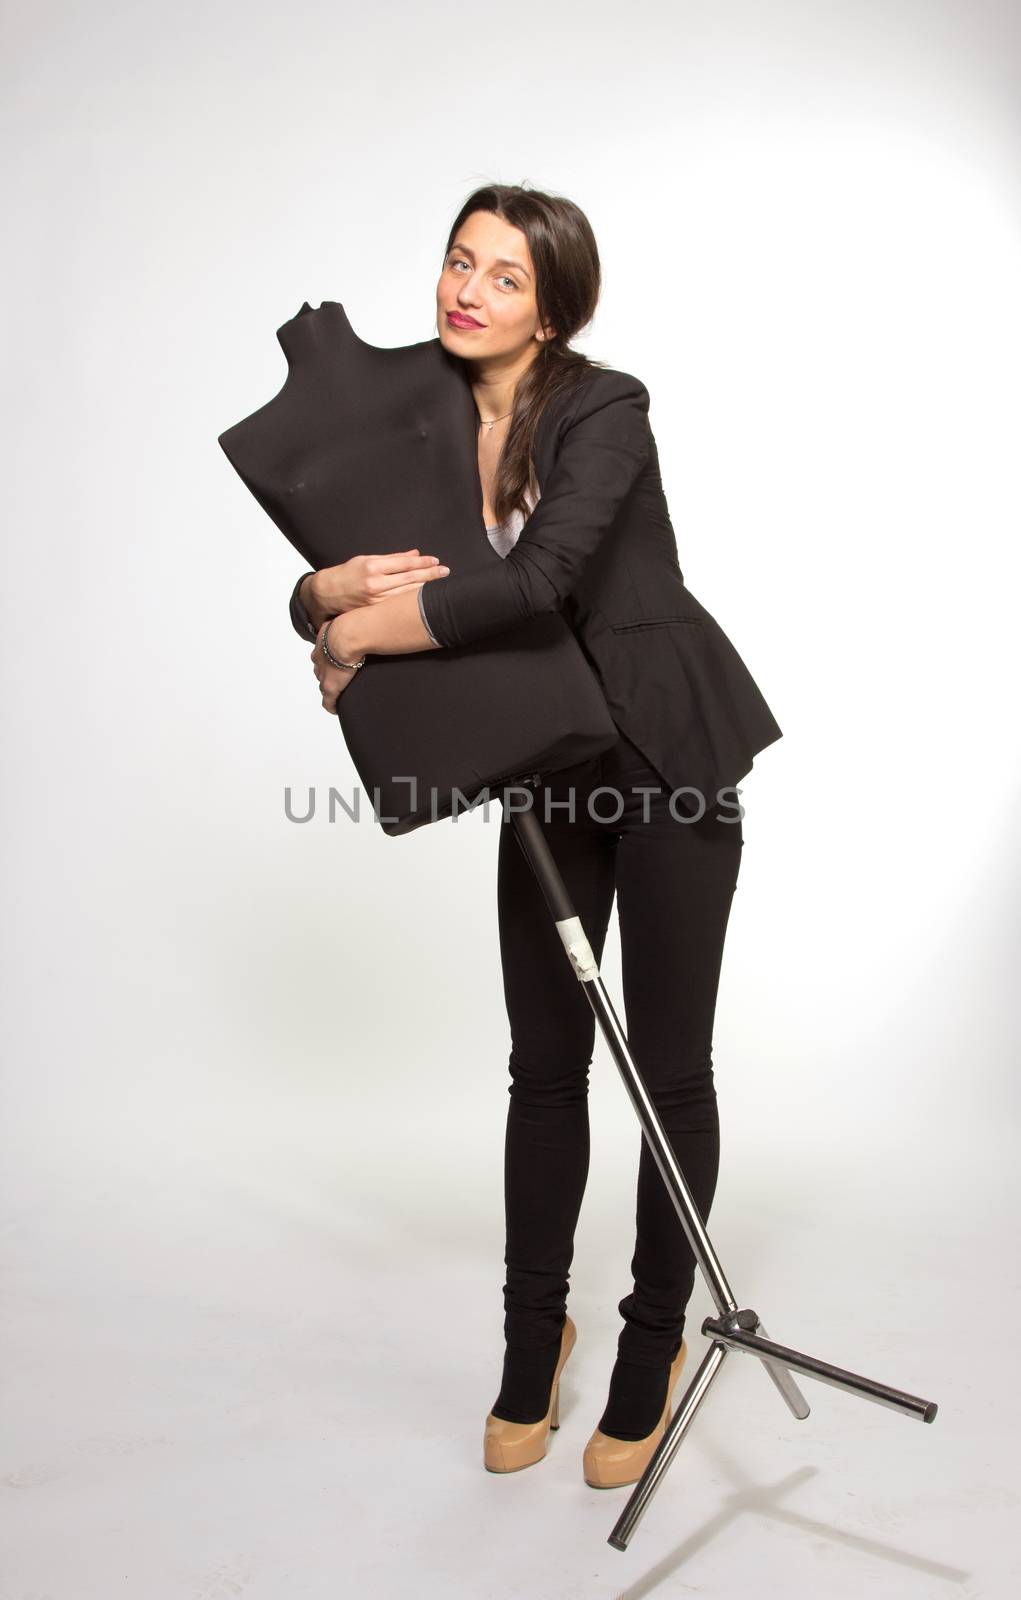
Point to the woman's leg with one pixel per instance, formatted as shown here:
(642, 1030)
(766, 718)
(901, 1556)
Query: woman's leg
(546, 1154)
(675, 882)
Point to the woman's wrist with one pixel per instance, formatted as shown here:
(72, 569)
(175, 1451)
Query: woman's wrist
(308, 594)
(340, 640)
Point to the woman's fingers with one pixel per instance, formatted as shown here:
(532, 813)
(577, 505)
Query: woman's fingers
(387, 581)
(332, 681)
(369, 578)
(396, 561)
(403, 561)
(415, 583)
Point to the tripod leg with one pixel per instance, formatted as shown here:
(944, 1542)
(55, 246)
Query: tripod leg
(744, 1332)
(680, 1422)
(781, 1376)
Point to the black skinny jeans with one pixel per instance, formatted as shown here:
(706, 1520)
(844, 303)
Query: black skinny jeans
(674, 881)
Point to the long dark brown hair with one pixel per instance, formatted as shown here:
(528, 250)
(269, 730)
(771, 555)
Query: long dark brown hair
(568, 278)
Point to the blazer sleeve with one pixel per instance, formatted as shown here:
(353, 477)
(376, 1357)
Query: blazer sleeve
(604, 448)
(301, 622)
(421, 611)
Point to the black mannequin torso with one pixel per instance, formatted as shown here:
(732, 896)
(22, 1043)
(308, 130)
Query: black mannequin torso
(349, 419)
(364, 450)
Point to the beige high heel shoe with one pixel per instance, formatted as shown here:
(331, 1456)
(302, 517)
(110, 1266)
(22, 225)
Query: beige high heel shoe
(509, 1446)
(610, 1462)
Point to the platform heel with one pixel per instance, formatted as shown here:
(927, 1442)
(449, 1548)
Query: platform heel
(509, 1446)
(608, 1462)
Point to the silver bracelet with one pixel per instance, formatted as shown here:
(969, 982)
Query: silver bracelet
(324, 639)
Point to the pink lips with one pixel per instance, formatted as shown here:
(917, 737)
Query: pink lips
(458, 321)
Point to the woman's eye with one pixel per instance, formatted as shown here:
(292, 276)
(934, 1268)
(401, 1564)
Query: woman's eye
(503, 278)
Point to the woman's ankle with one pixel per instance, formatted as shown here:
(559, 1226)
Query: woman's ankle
(636, 1400)
(527, 1382)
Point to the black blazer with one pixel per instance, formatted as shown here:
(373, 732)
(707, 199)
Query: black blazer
(600, 547)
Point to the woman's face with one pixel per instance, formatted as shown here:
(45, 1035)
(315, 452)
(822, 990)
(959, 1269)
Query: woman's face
(488, 280)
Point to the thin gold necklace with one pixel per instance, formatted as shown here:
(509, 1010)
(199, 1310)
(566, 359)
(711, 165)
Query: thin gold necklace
(489, 424)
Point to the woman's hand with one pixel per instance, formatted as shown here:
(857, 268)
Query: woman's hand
(365, 580)
(332, 680)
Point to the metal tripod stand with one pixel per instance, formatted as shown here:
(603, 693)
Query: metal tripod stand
(732, 1328)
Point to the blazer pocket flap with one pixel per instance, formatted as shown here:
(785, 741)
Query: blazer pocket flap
(653, 622)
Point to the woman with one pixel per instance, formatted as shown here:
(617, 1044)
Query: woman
(574, 502)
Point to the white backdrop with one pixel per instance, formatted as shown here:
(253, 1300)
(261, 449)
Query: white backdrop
(256, 1071)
